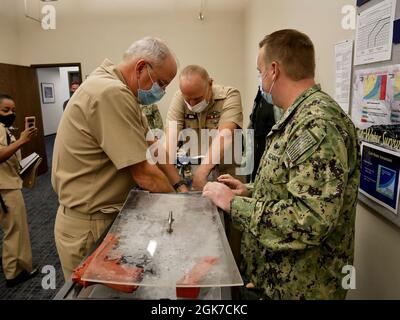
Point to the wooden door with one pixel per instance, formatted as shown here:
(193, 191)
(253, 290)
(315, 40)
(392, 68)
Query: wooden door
(21, 83)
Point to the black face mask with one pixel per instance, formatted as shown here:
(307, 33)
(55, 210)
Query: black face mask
(8, 120)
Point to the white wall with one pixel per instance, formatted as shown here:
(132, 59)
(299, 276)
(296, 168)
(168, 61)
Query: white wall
(64, 82)
(9, 37)
(90, 36)
(51, 112)
(319, 19)
(377, 257)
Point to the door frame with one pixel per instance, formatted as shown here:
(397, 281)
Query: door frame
(60, 65)
(57, 65)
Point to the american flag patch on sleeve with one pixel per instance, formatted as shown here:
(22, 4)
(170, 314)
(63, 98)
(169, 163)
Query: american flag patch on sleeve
(300, 145)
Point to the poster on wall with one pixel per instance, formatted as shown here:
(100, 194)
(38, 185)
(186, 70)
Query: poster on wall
(343, 62)
(48, 95)
(376, 97)
(380, 175)
(374, 33)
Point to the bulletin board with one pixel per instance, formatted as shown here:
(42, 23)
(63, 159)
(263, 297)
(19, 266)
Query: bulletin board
(379, 184)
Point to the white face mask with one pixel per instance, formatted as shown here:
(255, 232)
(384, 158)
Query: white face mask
(198, 108)
(266, 95)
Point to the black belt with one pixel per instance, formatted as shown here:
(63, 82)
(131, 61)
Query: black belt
(3, 205)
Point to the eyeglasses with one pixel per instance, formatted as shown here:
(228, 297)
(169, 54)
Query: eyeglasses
(161, 83)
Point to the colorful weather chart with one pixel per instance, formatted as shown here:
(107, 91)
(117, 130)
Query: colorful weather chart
(375, 87)
(396, 87)
(376, 96)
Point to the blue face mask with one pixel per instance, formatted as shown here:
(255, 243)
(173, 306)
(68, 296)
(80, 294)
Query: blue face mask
(154, 94)
(266, 95)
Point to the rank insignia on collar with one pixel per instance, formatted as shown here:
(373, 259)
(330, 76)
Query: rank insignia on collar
(214, 115)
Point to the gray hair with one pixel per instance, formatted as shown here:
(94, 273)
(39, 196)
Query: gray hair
(153, 49)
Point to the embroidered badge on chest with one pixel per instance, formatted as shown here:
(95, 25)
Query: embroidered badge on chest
(190, 116)
(300, 145)
(214, 115)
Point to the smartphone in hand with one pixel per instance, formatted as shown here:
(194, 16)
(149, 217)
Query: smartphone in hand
(30, 122)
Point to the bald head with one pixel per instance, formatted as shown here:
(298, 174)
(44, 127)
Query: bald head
(194, 83)
(192, 69)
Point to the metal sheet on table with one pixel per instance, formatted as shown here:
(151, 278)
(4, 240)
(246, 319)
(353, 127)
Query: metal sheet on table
(151, 293)
(197, 243)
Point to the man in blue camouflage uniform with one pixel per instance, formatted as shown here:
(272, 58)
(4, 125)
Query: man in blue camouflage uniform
(298, 217)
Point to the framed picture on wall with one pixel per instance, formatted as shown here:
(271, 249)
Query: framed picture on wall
(48, 95)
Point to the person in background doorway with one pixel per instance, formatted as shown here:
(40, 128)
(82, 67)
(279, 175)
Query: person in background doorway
(74, 86)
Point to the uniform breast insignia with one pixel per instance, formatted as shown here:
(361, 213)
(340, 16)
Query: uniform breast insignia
(190, 116)
(214, 115)
(300, 145)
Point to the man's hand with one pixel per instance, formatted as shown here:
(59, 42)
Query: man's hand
(150, 177)
(219, 194)
(237, 187)
(27, 135)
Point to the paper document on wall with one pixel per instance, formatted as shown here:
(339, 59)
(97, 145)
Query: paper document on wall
(374, 33)
(343, 60)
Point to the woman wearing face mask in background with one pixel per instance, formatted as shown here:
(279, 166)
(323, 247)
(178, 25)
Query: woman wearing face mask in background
(17, 253)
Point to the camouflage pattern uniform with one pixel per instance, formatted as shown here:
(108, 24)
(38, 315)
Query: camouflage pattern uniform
(153, 116)
(299, 222)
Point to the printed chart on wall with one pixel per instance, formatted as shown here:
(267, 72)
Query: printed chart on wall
(376, 97)
(374, 33)
(343, 61)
